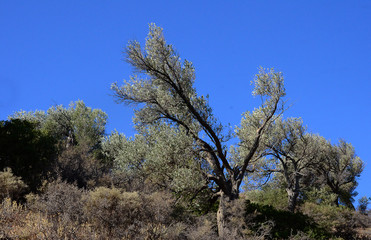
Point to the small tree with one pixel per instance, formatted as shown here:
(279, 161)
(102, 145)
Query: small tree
(164, 92)
(294, 152)
(28, 151)
(362, 204)
(339, 169)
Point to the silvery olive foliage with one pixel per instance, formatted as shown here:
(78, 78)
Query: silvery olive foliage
(173, 159)
(161, 155)
(38, 116)
(75, 124)
(162, 92)
(188, 149)
(127, 154)
(294, 152)
(339, 169)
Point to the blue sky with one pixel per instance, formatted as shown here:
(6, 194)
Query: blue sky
(54, 52)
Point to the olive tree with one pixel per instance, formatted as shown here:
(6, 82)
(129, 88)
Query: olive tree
(69, 126)
(295, 153)
(162, 91)
(161, 157)
(339, 169)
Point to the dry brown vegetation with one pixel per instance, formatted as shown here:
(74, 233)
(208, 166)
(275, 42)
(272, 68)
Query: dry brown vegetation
(64, 211)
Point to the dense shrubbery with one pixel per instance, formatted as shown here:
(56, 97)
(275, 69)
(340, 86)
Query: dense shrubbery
(340, 221)
(275, 197)
(284, 223)
(62, 210)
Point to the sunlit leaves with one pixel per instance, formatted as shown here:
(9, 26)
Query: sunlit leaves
(163, 155)
(77, 123)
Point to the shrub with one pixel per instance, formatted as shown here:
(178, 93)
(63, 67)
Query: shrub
(275, 197)
(340, 221)
(204, 228)
(158, 207)
(320, 196)
(117, 214)
(237, 225)
(17, 222)
(285, 223)
(10, 215)
(113, 213)
(59, 200)
(124, 181)
(11, 186)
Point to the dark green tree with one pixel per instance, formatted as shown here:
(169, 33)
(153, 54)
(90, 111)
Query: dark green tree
(78, 131)
(25, 149)
(362, 204)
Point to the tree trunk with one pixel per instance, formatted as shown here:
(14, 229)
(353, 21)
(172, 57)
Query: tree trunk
(336, 200)
(221, 215)
(225, 200)
(293, 193)
(292, 198)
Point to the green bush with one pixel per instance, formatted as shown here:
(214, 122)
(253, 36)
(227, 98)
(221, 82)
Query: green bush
(340, 221)
(285, 223)
(275, 197)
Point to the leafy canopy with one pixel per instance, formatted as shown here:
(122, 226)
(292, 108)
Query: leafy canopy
(162, 92)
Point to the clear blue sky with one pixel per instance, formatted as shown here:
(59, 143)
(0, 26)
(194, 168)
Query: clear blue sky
(55, 52)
